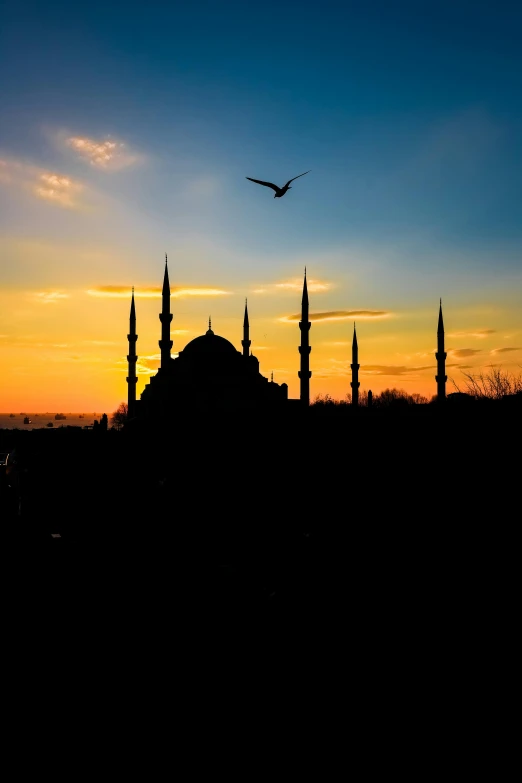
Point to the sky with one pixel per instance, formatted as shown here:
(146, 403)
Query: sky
(127, 131)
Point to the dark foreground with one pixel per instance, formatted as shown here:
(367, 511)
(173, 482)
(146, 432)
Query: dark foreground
(297, 510)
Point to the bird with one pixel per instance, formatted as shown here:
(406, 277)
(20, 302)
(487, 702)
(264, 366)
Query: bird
(279, 192)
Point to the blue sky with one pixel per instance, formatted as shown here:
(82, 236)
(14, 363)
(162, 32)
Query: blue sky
(408, 114)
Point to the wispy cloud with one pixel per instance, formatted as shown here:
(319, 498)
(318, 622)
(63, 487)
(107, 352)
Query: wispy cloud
(504, 350)
(49, 297)
(108, 154)
(296, 284)
(312, 285)
(330, 372)
(59, 189)
(391, 369)
(338, 315)
(99, 342)
(148, 365)
(463, 353)
(50, 186)
(479, 334)
(154, 292)
(338, 343)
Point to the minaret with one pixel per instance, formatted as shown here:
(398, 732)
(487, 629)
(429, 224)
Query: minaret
(355, 370)
(245, 342)
(304, 349)
(165, 317)
(440, 356)
(132, 378)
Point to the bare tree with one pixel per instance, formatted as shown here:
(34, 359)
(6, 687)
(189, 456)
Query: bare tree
(119, 417)
(325, 399)
(493, 385)
(363, 398)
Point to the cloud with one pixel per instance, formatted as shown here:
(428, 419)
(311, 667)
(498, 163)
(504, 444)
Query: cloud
(154, 292)
(337, 343)
(504, 350)
(56, 188)
(49, 297)
(47, 185)
(312, 285)
(108, 154)
(148, 365)
(99, 342)
(479, 334)
(462, 353)
(342, 368)
(390, 369)
(338, 315)
(295, 284)
(331, 372)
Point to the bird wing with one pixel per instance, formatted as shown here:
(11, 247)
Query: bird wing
(268, 184)
(299, 175)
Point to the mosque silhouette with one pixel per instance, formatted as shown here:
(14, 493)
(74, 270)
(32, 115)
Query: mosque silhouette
(210, 374)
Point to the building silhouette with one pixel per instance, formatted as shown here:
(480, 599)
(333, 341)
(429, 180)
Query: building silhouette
(355, 370)
(304, 348)
(132, 378)
(210, 374)
(440, 356)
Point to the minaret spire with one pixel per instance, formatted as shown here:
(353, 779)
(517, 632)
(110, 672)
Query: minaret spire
(355, 369)
(165, 317)
(245, 342)
(440, 356)
(132, 378)
(304, 349)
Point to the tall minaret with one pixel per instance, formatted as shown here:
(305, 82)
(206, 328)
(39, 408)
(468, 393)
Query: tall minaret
(245, 342)
(165, 317)
(304, 349)
(440, 356)
(132, 378)
(355, 370)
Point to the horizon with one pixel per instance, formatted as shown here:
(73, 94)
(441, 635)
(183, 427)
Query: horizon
(126, 136)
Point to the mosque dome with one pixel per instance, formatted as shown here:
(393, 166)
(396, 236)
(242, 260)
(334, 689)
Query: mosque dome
(209, 344)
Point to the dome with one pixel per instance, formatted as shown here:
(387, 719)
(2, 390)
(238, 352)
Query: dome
(209, 343)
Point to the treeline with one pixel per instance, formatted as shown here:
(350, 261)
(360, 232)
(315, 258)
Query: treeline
(497, 384)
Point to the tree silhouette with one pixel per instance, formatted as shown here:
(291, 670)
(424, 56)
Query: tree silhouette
(493, 385)
(398, 398)
(119, 417)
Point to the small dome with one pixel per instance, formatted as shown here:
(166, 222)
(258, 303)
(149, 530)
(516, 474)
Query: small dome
(209, 343)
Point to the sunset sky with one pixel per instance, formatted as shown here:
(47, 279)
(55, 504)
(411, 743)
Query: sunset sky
(127, 131)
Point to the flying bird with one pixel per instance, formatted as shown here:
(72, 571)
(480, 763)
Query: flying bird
(278, 191)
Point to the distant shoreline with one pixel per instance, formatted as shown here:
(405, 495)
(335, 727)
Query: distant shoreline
(40, 420)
